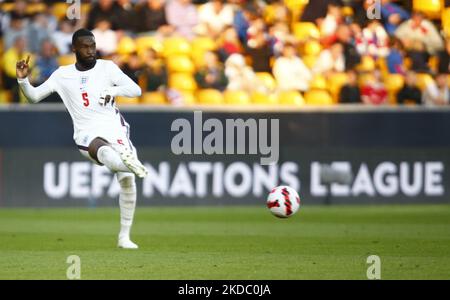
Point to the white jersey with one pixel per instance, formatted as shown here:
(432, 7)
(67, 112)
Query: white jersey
(80, 92)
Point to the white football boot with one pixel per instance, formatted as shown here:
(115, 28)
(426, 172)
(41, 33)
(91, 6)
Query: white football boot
(131, 161)
(126, 243)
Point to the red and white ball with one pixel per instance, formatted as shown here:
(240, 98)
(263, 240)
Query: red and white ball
(283, 201)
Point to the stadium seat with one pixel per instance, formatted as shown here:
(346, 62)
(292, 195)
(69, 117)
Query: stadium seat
(188, 98)
(180, 64)
(310, 60)
(237, 98)
(364, 78)
(126, 46)
(127, 101)
(291, 98)
(318, 82)
(318, 97)
(393, 83)
(267, 79)
(367, 64)
(210, 97)
(433, 63)
(6, 7)
(154, 98)
(335, 83)
(446, 21)
(59, 10)
(263, 98)
(423, 80)
(182, 82)
(65, 60)
(347, 11)
(33, 8)
(296, 7)
(312, 48)
(305, 30)
(148, 42)
(199, 46)
(176, 46)
(431, 8)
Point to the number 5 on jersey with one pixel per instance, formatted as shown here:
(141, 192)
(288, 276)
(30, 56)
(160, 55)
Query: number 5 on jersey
(85, 99)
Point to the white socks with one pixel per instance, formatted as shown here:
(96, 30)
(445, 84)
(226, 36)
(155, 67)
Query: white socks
(111, 159)
(127, 202)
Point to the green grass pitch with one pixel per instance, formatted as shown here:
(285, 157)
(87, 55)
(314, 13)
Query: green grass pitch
(413, 242)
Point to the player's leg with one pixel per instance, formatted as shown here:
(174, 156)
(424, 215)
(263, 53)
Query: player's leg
(127, 202)
(115, 157)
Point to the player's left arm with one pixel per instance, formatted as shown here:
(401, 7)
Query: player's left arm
(123, 85)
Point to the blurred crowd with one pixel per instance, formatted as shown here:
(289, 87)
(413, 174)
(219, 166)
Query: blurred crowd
(374, 52)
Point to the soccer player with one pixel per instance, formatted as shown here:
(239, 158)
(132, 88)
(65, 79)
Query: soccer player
(87, 89)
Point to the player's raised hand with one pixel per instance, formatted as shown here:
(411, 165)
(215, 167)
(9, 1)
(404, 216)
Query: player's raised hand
(22, 68)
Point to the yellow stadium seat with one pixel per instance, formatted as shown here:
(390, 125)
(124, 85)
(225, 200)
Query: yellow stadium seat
(180, 64)
(365, 78)
(237, 98)
(291, 98)
(59, 10)
(446, 21)
(347, 11)
(65, 60)
(318, 82)
(431, 8)
(318, 97)
(6, 7)
(267, 79)
(305, 30)
(154, 98)
(367, 64)
(312, 48)
(203, 44)
(423, 80)
(335, 83)
(182, 82)
(310, 60)
(148, 42)
(176, 46)
(188, 98)
(263, 98)
(210, 97)
(127, 101)
(393, 83)
(34, 8)
(126, 46)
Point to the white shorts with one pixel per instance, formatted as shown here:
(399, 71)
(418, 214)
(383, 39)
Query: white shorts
(114, 135)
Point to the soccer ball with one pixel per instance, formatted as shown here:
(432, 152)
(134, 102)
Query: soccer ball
(283, 201)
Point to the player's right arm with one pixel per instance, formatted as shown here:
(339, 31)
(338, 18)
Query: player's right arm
(33, 94)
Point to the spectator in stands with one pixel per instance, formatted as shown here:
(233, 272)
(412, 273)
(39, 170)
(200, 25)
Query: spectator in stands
(316, 11)
(241, 77)
(392, 15)
(344, 35)
(183, 16)
(126, 14)
(330, 60)
(438, 92)
(133, 67)
(246, 14)
(419, 29)
(350, 93)
(331, 21)
(16, 53)
(290, 72)
(410, 93)
(395, 61)
(18, 12)
(419, 57)
(374, 92)
(374, 40)
(152, 18)
(278, 36)
(46, 62)
(104, 9)
(229, 43)
(212, 75)
(41, 29)
(444, 59)
(18, 27)
(214, 16)
(154, 71)
(62, 38)
(105, 37)
(259, 50)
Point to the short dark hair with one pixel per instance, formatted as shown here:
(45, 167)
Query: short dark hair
(80, 33)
